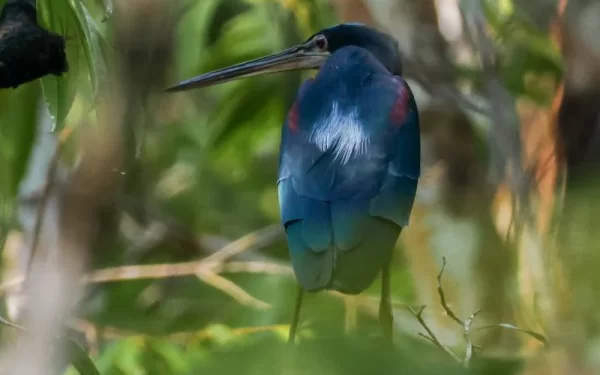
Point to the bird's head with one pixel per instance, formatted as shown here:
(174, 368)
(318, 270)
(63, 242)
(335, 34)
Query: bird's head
(310, 54)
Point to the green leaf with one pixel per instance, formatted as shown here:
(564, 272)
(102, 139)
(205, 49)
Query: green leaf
(122, 357)
(92, 43)
(57, 99)
(80, 359)
(172, 354)
(71, 19)
(59, 92)
(107, 7)
(18, 110)
(225, 11)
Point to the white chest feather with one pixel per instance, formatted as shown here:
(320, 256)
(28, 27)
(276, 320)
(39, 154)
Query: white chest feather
(342, 133)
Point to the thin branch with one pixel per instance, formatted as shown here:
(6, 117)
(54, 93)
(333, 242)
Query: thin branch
(466, 324)
(538, 336)
(8, 323)
(470, 352)
(206, 273)
(426, 337)
(447, 309)
(116, 333)
(259, 238)
(254, 267)
(214, 262)
(168, 270)
(432, 337)
(232, 289)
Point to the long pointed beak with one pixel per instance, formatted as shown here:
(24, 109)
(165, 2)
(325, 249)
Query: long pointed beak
(294, 58)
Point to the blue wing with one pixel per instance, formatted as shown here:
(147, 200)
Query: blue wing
(342, 219)
(396, 198)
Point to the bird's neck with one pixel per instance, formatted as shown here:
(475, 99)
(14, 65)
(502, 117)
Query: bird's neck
(332, 107)
(347, 72)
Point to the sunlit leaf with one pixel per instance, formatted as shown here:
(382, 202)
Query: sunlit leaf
(108, 8)
(92, 40)
(59, 92)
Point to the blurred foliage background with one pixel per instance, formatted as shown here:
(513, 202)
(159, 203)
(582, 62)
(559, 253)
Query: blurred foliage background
(167, 203)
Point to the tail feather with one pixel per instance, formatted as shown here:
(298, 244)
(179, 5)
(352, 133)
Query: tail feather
(339, 246)
(356, 268)
(316, 225)
(348, 221)
(313, 269)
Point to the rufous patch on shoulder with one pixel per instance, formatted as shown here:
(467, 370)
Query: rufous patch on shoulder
(293, 118)
(400, 109)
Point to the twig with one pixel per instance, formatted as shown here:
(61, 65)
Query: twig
(432, 337)
(166, 270)
(232, 289)
(465, 324)
(467, 331)
(8, 323)
(260, 237)
(214, 262)
(204, 334)
(538, 336)
(426, 337)
(207, 273)
(254, 267)
(447, 309)
(205, 268)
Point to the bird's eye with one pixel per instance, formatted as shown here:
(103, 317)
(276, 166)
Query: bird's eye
(321, 42)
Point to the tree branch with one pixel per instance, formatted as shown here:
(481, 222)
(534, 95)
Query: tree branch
(432, 337)
(447, 309)
(232, 289)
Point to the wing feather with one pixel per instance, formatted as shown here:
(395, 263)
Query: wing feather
(342, 217)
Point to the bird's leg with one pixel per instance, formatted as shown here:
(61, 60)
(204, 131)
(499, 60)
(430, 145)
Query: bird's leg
(385, 304)
(296, 318)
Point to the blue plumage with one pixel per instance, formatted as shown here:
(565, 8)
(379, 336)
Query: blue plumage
(349, 166)
(349, 161)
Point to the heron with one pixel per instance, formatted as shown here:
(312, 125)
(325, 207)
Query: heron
(349, 160)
